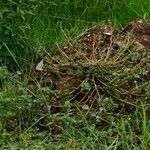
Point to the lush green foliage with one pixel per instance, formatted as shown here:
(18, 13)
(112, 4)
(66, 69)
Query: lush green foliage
(27, 25)
(24, 124)
(14, 26)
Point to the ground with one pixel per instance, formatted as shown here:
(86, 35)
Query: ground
(93, 93)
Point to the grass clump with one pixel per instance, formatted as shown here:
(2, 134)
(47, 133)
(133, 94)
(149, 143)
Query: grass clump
(14, 28)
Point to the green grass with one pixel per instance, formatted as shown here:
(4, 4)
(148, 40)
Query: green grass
(75, 16)
(22, 123)
(23, 126)
(25, 27)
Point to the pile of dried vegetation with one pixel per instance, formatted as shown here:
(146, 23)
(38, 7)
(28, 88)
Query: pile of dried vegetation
(102, 63)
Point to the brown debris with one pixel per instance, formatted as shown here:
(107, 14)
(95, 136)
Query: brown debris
(67, 83)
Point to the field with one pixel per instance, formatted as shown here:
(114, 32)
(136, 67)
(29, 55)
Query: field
(81, 98)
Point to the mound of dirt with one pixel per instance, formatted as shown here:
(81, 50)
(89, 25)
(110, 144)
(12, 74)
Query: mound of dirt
(141, 30)
(102, 62)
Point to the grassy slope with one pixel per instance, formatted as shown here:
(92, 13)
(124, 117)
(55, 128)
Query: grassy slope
(80, 132)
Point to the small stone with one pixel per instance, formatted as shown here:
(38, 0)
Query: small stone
(46, 108)
(107, 33)
(39, 66)
(19, 72)
(85, 107)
